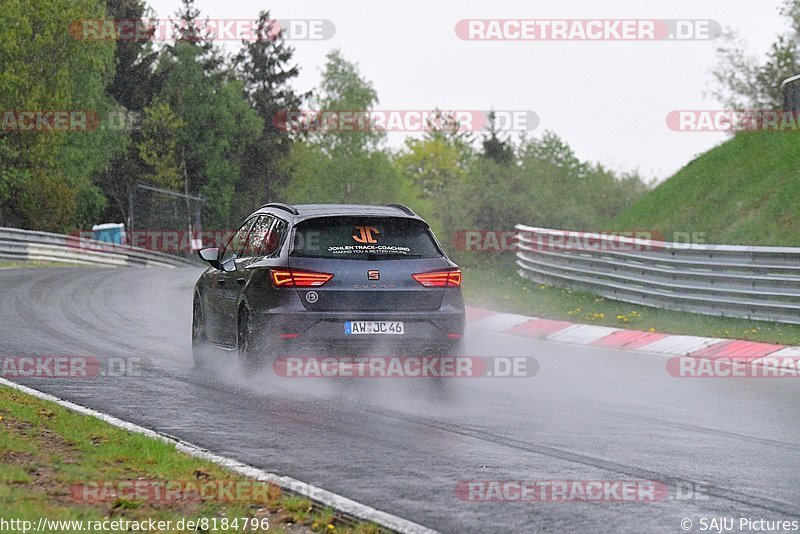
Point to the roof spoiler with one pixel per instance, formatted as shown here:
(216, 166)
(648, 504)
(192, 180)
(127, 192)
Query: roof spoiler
(405, 209)
(281, 206)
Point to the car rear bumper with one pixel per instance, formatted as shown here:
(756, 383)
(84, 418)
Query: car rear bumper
(295, 332)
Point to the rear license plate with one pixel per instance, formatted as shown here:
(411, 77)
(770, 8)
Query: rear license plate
(373, 327)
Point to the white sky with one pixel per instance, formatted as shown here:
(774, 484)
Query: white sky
(608, 100)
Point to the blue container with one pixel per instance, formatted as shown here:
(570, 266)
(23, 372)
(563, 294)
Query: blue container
(109, 233)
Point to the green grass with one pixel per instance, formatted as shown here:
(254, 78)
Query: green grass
(745, 191)
(503, 290)
(45, 450)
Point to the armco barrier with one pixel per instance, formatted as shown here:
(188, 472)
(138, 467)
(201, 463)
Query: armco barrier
(760, 283)
(25, 245)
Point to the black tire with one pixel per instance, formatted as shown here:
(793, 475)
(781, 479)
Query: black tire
(199, 339)
(251, 359)
(441, 384)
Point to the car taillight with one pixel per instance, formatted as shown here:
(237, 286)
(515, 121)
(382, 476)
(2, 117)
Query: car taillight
(451, 278)
(292, 278)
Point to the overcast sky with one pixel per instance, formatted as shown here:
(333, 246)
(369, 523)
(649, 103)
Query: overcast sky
(608, 100)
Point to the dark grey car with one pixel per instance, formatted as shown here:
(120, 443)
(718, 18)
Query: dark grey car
(328, 279)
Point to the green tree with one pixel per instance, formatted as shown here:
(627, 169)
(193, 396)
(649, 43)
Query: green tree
(264, 64)
(46, 177)
(549, 186)
(434, 165)
(342, 89)
(341, 177)
(135, 82)
(568, 193)
(494, 148)
(134, 86)
(190, 29)
(217, 120)
(343, 166)
(743, 81)
(158, 145)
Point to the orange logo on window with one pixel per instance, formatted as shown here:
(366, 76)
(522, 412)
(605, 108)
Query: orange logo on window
(365, 234)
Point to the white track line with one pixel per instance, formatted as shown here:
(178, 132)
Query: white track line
(327, 498)
(500, 321)
(679, 345)
(582, 334)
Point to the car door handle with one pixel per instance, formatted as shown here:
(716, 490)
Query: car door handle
(240, 281)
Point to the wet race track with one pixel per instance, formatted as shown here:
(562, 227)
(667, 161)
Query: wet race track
(720, 447)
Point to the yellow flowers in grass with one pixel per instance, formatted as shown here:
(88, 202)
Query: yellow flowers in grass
(629, 317)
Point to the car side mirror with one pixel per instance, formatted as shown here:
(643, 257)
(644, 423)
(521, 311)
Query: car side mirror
(210, 255)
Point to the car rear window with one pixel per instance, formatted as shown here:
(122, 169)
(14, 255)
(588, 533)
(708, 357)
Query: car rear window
(364, 238)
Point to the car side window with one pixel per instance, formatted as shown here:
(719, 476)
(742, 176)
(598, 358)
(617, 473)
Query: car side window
(272, 244)
(234, 247)
(258, 236)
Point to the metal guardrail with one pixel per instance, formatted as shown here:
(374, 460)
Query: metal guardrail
(761, 283)
(28, 245)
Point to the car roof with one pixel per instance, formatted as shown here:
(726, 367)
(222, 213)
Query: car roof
(299, 212)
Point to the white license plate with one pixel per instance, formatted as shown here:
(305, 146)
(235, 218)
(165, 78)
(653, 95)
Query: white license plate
(373, 327)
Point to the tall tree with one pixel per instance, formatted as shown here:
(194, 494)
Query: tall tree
(135, 82)
(134, 86)
(494, 148)
(217, 120)
(191, 30)
(343, 89)
(46, 177)
(157, 147)
(265, 65)
(343, 166)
